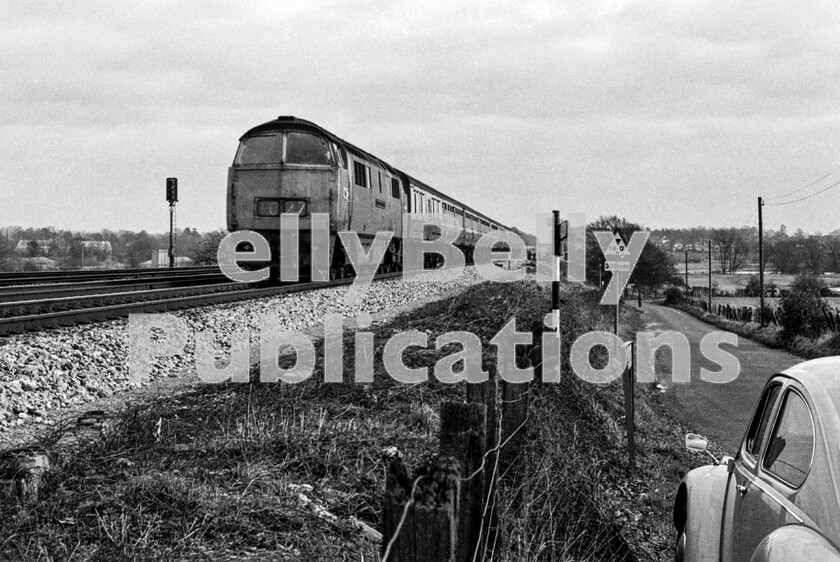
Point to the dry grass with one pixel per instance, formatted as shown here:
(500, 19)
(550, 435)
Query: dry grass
(276, 471)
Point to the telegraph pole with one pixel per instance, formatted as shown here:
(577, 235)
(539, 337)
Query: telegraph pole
(710, 274)
(760, 265)
(686, 271)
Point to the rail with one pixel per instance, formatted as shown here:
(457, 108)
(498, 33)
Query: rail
(22, 316)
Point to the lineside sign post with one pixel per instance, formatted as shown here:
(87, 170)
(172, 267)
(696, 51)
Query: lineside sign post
(618, 265)
(561, 234)
(629, 380)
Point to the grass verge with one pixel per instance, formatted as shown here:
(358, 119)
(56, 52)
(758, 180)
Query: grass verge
(772, 336)
(297, 472)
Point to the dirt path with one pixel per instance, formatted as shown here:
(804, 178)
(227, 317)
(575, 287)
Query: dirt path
(719, 411)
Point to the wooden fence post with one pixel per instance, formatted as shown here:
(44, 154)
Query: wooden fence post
(21, 471)
(463, 436)
(514, 423)
(420, 527)
(487, 393)
(629, 382)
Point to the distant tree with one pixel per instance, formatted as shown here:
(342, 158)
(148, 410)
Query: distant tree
(188, 242)
(753, 286)
(734, 246)
(813, 254)
(654, 267)
(140, 248)
(75, 253)
(832, 242)
(802, 308)
(207, 248)
(594, 256)
(782, 252)
(32, 248)
(6, 252)
(528, 239)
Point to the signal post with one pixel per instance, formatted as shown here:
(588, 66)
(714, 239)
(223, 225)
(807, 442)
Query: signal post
(172, 198)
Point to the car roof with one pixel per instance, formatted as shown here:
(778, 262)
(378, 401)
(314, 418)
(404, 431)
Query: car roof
(821, 380)
(817, 373)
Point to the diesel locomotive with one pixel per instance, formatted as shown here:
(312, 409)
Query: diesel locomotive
(290, 165)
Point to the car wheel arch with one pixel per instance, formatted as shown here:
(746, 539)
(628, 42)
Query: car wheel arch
(680, 515)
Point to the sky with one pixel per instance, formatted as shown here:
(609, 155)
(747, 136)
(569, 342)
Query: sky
(669, 113)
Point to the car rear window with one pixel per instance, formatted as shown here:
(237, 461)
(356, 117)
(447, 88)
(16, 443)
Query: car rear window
(758, 427)
(791, 447)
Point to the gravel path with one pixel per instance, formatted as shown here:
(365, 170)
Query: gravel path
(43, 375)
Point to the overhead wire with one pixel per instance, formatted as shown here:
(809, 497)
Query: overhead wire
(804, 198)
(795, 191)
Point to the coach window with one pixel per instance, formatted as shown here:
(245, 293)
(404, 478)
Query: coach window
(395, 188)
(303, 148)
(262, 149)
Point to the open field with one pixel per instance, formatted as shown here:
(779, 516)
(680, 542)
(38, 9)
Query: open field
(733, 282)
(769, 301)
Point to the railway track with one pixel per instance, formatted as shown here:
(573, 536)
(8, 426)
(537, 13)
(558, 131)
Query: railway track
(39, 314)
(16, 293)
(8, 279)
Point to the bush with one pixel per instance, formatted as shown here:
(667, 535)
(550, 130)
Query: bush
(802, 308)
(674, 295)
(753, 288)
(767, 313)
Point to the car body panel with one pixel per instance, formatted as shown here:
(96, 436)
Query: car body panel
(705, 488)
(795, 542)
(745, 511)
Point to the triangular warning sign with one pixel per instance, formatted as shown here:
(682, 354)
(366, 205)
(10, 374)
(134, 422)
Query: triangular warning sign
(617, 247)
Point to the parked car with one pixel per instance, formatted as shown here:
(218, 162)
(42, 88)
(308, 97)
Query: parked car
(779, 497)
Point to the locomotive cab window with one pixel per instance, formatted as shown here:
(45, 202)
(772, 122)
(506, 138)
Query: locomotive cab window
(303, 148)
(395, 188)
(259, 150)
(340, 156)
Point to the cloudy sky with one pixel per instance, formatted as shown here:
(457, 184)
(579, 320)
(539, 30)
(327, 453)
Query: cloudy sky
(671, 113)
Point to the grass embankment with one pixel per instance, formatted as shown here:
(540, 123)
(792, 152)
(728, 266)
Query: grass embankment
(771, 335)
(277, 471)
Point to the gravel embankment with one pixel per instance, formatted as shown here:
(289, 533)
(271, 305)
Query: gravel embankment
(43, 373)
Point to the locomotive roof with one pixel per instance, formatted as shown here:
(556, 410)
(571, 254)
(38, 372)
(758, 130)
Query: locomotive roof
(290, 122)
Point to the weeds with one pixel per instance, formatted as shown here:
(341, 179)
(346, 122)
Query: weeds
(278, 471)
